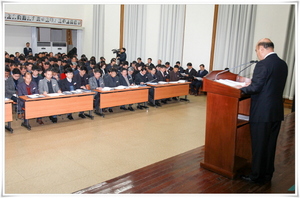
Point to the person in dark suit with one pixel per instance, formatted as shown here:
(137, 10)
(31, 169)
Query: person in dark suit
(266, 110)
(27, 87)
(141, 79)
(149, 62)
(190, 72)
(27, 50)
(152, 78)
(125, 81)
(168, 68)
(139, 61)
(70, 84)
(82, 78)
(198, 83)
(111, 80)
(161, 74)
(36, 77)
(181, 70)
(122, 55)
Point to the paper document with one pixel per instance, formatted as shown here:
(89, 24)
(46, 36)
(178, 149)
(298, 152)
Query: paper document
(198, 78)
(243, 117)
(230, 83)
(183, 74)
(55, 94)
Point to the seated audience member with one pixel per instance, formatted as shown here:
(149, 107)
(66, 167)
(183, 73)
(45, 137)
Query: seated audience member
(29, 67)
(168, 67)
(111, 80)
(161, 74)
(181, 70)
(130, 74)
(55, 73)
(70, 84)
(103, 67)
(198, 83)
(141, 79)
(36, 77)
(158, 63)
(82, 77)
(74, 68)
(190, 72)
(96, 82)
(152, 78)
(27, 87)
(139, 61)
(174, 74)
(49, 85)
(63, 75)
(7, 73)
(111, 65)
(149, 62)
(11, 84)
(124, 80)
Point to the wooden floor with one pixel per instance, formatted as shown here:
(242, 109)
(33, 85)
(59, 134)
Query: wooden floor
(183, 174)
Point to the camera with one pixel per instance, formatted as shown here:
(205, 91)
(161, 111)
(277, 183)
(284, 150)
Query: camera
(115, 51)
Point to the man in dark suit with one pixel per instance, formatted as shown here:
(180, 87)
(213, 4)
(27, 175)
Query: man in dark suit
(190, 72)
(27, 50)
(161, 74)
(70, 84)
(266, 111)
(111, 80)
(141, 79)
(198, 82)
(125, 81)
(152, 78)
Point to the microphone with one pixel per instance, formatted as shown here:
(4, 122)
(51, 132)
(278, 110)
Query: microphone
(246, 68)
(252, 61)
(221, 72)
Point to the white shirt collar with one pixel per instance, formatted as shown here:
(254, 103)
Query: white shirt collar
(269, 54)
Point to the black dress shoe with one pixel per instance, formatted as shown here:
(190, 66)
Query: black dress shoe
(139, 107)
(130, 109)
(151, 104)
(248, 179)
(163, 101)
(54, 120)
(81, 115)
(169, 99)
(70, 117)
(174, 98)
(51, 118)
(110, 110)
(158, 104)
(124, 108)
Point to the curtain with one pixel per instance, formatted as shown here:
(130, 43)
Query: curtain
(171, 33)
(34, 39)
(98, 31)
(135, 31)
(289, 56)
(234, 37)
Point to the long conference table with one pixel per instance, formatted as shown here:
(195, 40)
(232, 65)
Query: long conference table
(8, 115)
(56, 105)
(119, 97)
(63, 104)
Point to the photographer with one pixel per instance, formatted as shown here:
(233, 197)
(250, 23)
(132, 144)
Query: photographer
(121, 55)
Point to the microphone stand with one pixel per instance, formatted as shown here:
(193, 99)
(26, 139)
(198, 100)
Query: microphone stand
(238, 76)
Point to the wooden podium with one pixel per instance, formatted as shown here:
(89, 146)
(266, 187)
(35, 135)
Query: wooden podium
(227, 139)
